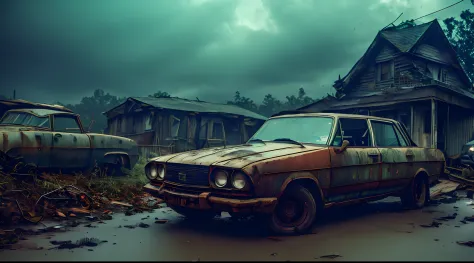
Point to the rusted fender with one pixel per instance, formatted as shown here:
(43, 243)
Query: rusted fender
(272, 176)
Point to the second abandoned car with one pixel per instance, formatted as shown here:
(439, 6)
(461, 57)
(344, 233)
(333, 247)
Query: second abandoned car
(296, 165)
(54, 139)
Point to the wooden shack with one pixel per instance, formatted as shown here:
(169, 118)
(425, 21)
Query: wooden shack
(410, 73)
(169, 125)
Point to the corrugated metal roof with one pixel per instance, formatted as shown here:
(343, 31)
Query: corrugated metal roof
(197, 106)
(404, 39)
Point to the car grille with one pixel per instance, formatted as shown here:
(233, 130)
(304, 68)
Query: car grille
(187, 174)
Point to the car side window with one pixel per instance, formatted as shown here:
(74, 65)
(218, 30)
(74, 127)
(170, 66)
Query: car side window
(386, 135)
(66, 124)
(356, 131)
(401, 139)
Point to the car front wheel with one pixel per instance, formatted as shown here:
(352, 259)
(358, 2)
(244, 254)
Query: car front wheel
(295, 212)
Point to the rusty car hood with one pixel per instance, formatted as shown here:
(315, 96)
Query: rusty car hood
(237, 156)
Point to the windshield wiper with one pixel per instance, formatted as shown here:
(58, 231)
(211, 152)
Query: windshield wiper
(256, 140)
(290, 141)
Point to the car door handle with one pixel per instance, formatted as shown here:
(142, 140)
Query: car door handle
(373, 154)
(58, 135)
(409, 154)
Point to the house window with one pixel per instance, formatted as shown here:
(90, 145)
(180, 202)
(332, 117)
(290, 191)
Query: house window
(217, 130)
(148, 122)
(174, 126)
(427, 122)
(442, 75)
(385, 70)
(119, 124)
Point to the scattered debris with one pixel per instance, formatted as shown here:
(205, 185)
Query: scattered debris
(331, 256)
(444, 187)
(469, 218)
(121, 203)
(143, 225)
(446, 218)
(161, 221)
(90, 226)
(466, 243)
(130, 226)
(433, 224)
(273, 254)
(84, 242)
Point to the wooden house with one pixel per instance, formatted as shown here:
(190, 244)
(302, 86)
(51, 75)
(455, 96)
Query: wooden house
(169, 125)
(412, 74)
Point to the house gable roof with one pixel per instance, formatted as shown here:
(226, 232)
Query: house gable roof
(405, 40)
(192, 106)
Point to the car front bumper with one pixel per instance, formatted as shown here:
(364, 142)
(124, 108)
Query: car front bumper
(206, 201)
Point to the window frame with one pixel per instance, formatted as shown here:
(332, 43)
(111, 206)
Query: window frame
(395, 127)
(337, 127)
(223, 131)
(75, 118)
(172, 119)
(391, 68)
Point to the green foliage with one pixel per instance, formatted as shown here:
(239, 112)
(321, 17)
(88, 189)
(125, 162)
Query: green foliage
(160, 94)
(460, 33)
(91, 108)
(271, 105)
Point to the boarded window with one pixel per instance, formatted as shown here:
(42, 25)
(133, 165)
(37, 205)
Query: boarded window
(174, 126)
(385, 71)
(217, 130)
(443, 75)
(385, 135)
(148, 120)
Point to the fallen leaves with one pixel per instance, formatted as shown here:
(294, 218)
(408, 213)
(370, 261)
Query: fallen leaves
(466, 243)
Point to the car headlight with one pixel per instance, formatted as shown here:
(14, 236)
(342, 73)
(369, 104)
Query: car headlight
(155, 171)
(221, 177)
(239, 181)
(471, 149)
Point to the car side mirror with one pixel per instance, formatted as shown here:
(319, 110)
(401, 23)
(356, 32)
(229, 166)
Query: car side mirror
(343, 147)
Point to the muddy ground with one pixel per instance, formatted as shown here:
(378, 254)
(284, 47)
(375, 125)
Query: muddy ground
(374, 231)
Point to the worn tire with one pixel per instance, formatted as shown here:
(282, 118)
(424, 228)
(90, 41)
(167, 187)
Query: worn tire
(193, 214)
(417, 194)
(298, 208)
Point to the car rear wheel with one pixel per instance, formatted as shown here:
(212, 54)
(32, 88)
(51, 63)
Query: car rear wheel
(295, 212)
(417, 194)
(193, 213)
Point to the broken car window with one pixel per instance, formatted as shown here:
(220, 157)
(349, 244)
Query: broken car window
(385, 135)
(66, 124)
(25, 119)
(355, 131)
(314, 130)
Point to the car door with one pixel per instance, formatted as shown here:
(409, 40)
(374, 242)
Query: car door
(71, 147)
(355, 171)
(397, 156)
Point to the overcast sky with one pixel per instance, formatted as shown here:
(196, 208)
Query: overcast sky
(62, 50)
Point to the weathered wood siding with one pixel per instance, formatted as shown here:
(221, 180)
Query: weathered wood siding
(432, 52)
(460, 129)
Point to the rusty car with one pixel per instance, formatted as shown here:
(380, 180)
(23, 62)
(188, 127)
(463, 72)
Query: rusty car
(295, 166)
(55, 139)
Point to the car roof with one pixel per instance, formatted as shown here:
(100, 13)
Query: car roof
(334, 115)
(41, 112)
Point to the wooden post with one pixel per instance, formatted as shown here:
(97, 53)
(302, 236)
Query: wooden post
(412, 117)
(434, 124)
(446, 131)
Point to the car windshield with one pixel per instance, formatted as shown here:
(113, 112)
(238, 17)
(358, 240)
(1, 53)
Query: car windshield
(24, 119)
(315, 130)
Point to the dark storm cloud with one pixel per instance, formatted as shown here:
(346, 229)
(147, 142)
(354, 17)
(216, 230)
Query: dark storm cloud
(62, 50)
